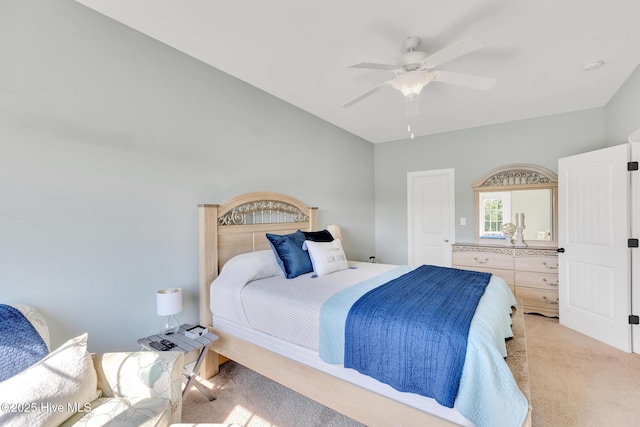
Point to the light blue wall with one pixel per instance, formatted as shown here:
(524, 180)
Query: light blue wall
(622, 112)
(108, 142)
(472, 153)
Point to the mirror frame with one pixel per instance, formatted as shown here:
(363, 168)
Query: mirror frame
(518, 176)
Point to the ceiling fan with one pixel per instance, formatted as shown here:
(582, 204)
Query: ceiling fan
(415, 69)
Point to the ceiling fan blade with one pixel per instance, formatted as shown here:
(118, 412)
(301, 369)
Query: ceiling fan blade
(468, 80)
(453, 51)
(367, 93)
(374, 66)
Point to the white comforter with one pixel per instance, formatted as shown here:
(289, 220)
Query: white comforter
(285, 308)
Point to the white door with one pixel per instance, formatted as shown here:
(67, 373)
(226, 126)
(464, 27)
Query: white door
(431, 210)
(593, 216)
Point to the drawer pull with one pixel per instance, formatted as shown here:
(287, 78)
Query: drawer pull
(549, 283)
(548, 301)
(486, 260)
(552, 267)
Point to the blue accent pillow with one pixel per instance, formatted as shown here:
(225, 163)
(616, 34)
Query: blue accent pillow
(293, 260)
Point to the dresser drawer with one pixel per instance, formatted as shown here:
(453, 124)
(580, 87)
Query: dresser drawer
(543, 264)
(538, 300)
(548, 281)
(483, 260)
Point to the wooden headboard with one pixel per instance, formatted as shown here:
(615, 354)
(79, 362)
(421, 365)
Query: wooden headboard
(238, 226)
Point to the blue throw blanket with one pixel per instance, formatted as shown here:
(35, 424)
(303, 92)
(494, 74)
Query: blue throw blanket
(420, 348)
(20, 344)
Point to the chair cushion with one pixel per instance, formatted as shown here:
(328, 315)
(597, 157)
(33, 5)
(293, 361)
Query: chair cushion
(121, 411)
(63, 379)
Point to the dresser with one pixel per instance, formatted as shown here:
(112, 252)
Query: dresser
(530, 272)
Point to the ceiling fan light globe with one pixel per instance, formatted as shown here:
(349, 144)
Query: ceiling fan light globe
(410, 84)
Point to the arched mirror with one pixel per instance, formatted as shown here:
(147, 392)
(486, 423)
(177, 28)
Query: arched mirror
(521, 194)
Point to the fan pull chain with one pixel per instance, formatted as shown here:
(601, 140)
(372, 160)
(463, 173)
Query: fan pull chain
(410, 113)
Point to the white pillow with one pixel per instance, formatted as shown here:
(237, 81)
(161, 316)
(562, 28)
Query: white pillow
(327, 257)
(46, 393)
(254, 265)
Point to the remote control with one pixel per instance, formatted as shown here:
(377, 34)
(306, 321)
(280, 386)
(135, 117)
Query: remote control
(168, 343)
(158, 346)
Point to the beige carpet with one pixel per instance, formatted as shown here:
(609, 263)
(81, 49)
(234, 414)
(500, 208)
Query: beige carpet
(246, 398)
(578, 381)
(573, 381)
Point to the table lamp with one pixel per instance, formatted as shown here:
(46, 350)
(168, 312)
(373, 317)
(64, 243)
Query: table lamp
(169, 303)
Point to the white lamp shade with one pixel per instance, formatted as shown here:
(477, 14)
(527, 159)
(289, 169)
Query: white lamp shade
(335, 231)
(169, 301)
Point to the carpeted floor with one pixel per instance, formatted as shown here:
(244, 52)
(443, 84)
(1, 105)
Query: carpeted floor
(573, 380)
(248, 399)
(578, 381)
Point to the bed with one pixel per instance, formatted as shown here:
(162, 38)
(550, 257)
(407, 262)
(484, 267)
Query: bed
(288, 351)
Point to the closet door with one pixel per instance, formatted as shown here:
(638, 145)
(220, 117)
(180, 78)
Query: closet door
(431, 210)
(594, 270)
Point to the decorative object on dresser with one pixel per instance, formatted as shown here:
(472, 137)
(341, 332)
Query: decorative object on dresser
(504, 193)
(520, 230)
(531, 273)
(508, 229)
(169, 303)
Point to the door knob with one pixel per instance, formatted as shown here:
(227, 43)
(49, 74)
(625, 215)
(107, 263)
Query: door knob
(561, 250)
(446, 240)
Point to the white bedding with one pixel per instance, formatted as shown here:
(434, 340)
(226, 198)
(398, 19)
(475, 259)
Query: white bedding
(252, 291)
(259, 306)
(290, 308)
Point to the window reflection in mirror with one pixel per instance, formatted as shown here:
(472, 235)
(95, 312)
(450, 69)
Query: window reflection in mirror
(499, 207)
(495, 209)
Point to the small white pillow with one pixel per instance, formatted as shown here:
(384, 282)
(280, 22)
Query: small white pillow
(327, 257)
(45, 394)
(254, 265)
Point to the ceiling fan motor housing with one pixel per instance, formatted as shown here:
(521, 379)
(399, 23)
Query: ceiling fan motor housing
(411, 61)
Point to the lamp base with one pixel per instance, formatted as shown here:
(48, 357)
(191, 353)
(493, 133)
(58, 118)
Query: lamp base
(169, 325)
(520, 238)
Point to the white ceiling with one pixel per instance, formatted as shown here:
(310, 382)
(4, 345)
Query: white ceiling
(299, 51)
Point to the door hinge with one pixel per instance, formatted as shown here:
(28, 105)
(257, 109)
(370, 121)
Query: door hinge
(632, 243)
(634, 320)
(632, 166)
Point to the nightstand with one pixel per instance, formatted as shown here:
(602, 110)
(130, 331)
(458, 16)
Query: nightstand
(185, 345)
